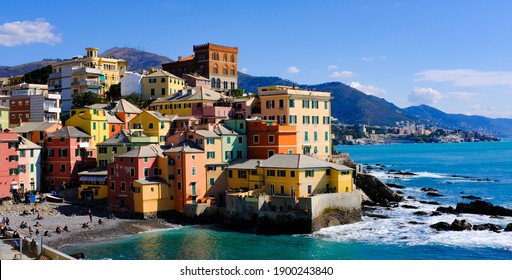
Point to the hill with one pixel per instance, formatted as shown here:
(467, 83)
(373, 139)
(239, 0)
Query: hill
(8, 71)
(352, 106)
(137, 60)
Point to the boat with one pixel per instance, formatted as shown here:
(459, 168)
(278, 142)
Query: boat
(51, 198)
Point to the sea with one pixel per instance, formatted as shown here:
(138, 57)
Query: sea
(454, 169)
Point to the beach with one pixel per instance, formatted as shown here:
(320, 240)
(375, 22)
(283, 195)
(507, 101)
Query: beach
(74, 217)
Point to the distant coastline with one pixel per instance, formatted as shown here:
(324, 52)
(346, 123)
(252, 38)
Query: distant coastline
(413, 139)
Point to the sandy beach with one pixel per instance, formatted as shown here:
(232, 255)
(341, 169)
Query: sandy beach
(74, 216)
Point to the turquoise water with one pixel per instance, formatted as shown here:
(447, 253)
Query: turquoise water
(480, 169)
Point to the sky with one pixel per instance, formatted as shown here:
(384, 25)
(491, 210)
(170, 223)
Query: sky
(452, 55)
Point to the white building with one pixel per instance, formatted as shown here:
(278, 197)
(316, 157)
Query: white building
(131, 83)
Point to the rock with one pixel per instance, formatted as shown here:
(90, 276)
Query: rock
(487, 226)
(435, 213)
(395, 186)
(429, 190)
(430, 202)
(411, 197)
(378, 216)
(409, 206)
(482, 207)
(496, 217)
(420, 213)
(398, 172)
(416, 223)
(460, 225)
(471, 197)
(375, 189)
(434, 194)
(443, 209)
(508, 227)
(441, 226)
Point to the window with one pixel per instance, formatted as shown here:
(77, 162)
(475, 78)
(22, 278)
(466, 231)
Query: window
(152, 80)
(306, 136)
(282, 189)
(256, 139)
(123, 186)
(326, 149)
(239, 154)
(163, 91)
(179, 186)
(271, 189)
(305, 104)
(281, 173)
(150, 125)
(270, 104)
(212, 181)
(292, 173)
(210, 155)
(50, 140)
(310, 173)
(193, 170)
(271, 173)
(325, 105)
(22, 169)
(326, 134)
(31, 167)
(271, 138)
(314, 104)
(145, 159)
(102, 150)
(291, 103)
(112, 186)
(293, 119)
(229, 155)
(242, 174)
(281, 103)
(230, 173)
(162, 80)
(240, 140)
(270, 153)
(228, 139)
(315, 136)
(216, 69)
(132, 172)
(62, 168)
(50, 167)
(212, 168)
(210, 140)
(146, 172)
(315, 120)
(178, 171)
(309, 189)
(345, 172)
(93, 126)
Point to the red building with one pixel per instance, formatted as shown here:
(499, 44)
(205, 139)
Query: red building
(266, 138)
(137, 164)
(8, 163)
(68, 152)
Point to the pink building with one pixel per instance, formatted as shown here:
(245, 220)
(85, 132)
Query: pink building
(68, 152)
(137, 164)
(9, 171)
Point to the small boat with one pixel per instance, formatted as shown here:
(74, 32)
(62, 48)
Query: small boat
(51, 198)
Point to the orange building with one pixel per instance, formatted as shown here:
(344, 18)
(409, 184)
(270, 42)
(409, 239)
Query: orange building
(266, 138)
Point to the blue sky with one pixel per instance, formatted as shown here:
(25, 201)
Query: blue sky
(453, 55)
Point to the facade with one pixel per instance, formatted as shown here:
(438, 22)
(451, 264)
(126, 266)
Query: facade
(151, 196)
(120, 143)
(68, 152)
(131, 82)
(9, 171)
(92, 121)
(217, 63)
(160, 84)
(193, 80)
(4, 117)
(125, 111)
(36, 131)
(81, 74)
(309, 111)
(266, 138)
(29, 165)
(34, 105)
(93, 184)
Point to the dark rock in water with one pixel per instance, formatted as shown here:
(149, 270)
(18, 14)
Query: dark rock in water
(435, 213)
(443, 209)
(416, 223)
(78, 256)
(377, 216)
(395, 186)
(409, 206)
(441, 226)
(367, 208)
(411, 197)
(398, 172)
(430, 202)
(460, 225)
(508, 227)
(376, 190)
(482, 207)
(429, 190)
(420, 213)
(487, 226)
(399, 192)
(471, 197)
(434, 194)
(496, 217)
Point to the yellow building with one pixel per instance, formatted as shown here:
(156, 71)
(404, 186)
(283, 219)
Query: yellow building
(93, 185)
(4, 117)
(111, 68)
(152, 124)
(291, 175)
(160, 84)
(309, 111)
(151, 196)
(92, 121)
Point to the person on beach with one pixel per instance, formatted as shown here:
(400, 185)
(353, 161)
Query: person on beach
(100, 221)
(30, 231)
(15, 234)
(23, 224)
(66, 228)
(37, 224)
(46, 233)
(7, 221)
(39, 217)
(58, 230)
(37, 232)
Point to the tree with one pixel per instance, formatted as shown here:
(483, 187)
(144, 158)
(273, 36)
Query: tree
(39, 76)
(86, 99)
(114, 92)
(135, 99)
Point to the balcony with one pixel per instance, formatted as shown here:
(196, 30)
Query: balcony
(52, 109)
(143, 139)
(55, 76)
(84, 145)
(53, 96)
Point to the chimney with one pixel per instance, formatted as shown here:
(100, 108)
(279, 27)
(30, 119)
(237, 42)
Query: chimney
(258, 164)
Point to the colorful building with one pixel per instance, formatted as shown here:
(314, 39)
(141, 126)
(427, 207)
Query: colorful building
(92, 121)
(125, 111)
(120, 143)
(68, 152)
(29, 165)
(36, 131)
(266, 138)
(4, 117)
(93, 185)
(160, 84)
(152, 123)
(309, 111)
(217, 63)
(9, 169)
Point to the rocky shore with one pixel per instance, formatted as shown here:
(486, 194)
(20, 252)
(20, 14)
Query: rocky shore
(74, 217)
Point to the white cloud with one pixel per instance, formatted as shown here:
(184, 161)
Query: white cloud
(293, 70)
(28, 32)
(368, 89)
(341, 74)
(467, 77)
(370, 58)
(424, 96)
(332, 67)
(244, 70)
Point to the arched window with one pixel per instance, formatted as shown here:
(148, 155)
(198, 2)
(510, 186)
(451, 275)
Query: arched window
(213, 83)
(218, 83)
(232, 71)
(215, 69)
(232, 58)
(225, 70)
(225, 85)
(225, 58)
